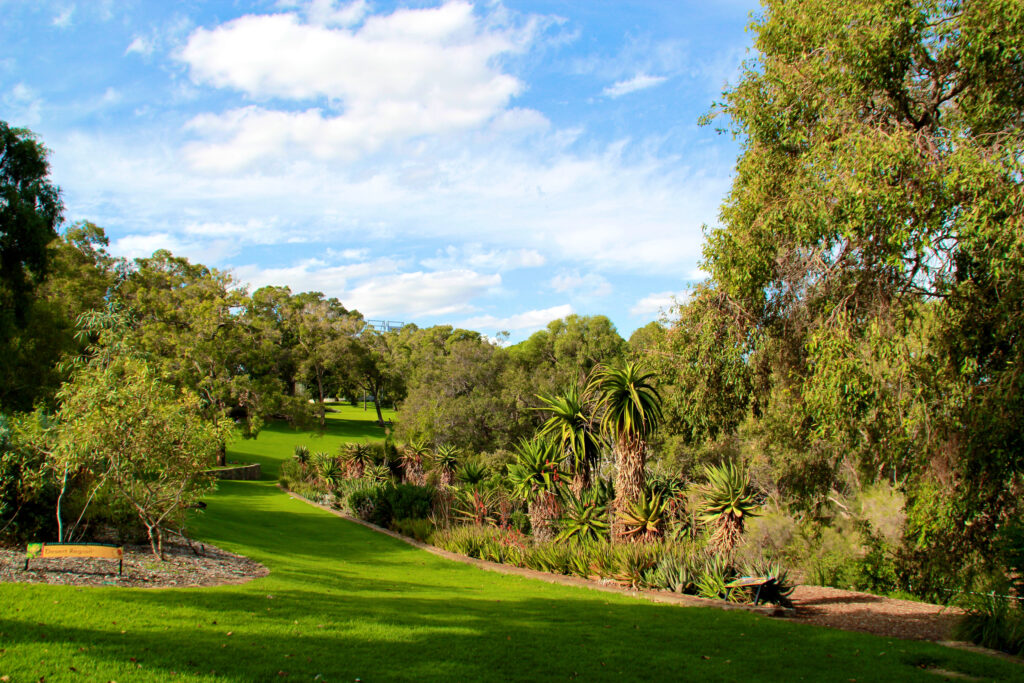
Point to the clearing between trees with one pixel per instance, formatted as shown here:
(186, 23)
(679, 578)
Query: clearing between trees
(343, 602)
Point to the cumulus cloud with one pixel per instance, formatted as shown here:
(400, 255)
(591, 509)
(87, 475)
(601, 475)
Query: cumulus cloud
(658, 302)
(521, 322)
(397, 76)
(210, 252)
(639, 82)
(586, 285)
(421, 294)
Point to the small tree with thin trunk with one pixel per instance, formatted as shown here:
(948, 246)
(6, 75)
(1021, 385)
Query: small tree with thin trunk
(141, 440)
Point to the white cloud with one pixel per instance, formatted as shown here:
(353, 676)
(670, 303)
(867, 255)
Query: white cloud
(140, 45)
(417, 295)
(410, 73)
(314, 275)
(377, 288)
(331, 13)
(639, 82)
(475, 256)
(659, 302)
(521, 322)
(63, 18)
(587, 285)
(23, 105)
(209, 252)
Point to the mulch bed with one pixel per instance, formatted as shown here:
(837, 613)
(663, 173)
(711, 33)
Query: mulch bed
(199, 565)
(853, 611)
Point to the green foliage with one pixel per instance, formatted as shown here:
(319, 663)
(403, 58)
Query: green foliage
(30, 210)
(992, 620)
(471, 473)
(727, 501)
(420, 529)
(137, 438)
(571, 426)
(301, 454)
(583, 518)
(645, 519)
(381, 503)
(537, 470)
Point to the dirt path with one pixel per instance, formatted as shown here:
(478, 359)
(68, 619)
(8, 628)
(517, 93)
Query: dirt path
(854, 611)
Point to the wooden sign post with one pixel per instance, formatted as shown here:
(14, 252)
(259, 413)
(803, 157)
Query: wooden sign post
(101, 550)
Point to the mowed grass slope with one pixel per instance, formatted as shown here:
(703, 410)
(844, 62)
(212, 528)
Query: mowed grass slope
(345, 603)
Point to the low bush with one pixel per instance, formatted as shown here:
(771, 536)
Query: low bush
(381, 503)
(993, 620)
(420, 529)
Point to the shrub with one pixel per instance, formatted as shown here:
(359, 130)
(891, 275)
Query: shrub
(409, 501)
(992, 621)
(420, 529)
(291, 472)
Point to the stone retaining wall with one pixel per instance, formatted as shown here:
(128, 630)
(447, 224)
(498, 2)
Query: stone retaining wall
(242, 472)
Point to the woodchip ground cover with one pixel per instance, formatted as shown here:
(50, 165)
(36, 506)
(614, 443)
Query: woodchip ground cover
(345, 603)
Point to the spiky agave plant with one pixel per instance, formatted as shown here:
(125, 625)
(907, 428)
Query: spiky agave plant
(572, 425)
(413, 455)
(301, 454)
(327, 469)
(378, 473)
(727, 501)
(583, 518)
(446, 461)
(471, 473)
(356, 457)
(537, 477)
(644, 520)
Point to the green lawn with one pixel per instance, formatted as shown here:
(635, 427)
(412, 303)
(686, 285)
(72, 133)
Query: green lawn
(344, 603)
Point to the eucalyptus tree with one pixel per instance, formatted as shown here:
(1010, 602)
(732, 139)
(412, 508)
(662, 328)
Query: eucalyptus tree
(187, 317)
(630, 413)
(870, 254)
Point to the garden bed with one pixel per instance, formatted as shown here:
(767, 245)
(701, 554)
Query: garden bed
(206, 565)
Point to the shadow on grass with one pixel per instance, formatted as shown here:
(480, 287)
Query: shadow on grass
(343, 602)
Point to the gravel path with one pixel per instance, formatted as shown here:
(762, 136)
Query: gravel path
(854, 611)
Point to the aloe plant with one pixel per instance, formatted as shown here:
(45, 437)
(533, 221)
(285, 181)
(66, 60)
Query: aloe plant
(446, 460)
(356, 457)
(727, 501)
(301, 454)
(644, 520)
(537, 478)
(413, 456)
(583, 519)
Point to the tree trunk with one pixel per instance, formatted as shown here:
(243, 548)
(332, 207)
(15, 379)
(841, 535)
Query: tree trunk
(544, 511)
(580, 481)
(376, 404)
(222, 455)
(630, 480)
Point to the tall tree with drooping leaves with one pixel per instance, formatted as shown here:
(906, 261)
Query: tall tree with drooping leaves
(630, 408)
(572, 426)
(871, 253)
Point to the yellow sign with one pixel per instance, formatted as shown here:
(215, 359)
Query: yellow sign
(81, 550)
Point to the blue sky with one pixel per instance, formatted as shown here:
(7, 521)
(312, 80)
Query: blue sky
(491, 165)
